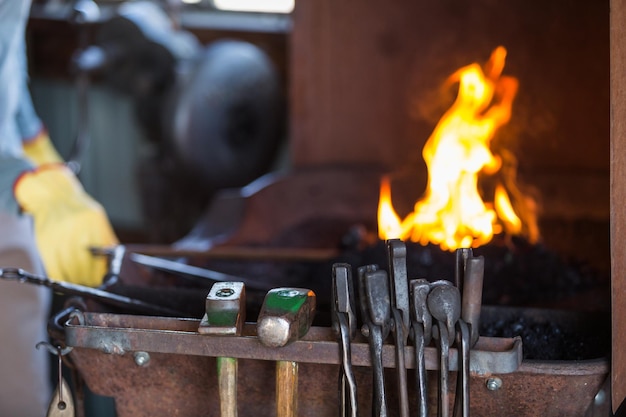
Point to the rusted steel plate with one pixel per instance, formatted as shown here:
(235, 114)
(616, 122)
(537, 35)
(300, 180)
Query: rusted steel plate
(118, 334)
(186, 385)
(540, 389)
(180, 377)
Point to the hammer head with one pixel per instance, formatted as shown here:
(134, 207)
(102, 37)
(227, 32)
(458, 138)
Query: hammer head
(225, 309)
(286, 316)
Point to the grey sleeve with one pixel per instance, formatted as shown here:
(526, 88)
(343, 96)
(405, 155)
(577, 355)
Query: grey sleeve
(10, 169)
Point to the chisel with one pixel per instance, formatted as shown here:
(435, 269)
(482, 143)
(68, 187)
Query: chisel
(225, 315)
(286, 316)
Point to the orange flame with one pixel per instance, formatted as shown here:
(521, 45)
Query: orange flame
(452, 213)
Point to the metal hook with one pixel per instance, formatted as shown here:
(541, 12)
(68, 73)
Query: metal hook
(54, 350)
(61, 405)
(78, 315)
(59, 352)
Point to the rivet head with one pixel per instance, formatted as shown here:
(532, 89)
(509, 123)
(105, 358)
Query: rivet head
(142, 358)
(494, 384)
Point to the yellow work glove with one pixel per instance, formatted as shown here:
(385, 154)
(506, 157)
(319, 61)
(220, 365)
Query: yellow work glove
(40, 150)
(67, 223)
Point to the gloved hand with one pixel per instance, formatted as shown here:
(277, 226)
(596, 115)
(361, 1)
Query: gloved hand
(40, 150)
(67, 223)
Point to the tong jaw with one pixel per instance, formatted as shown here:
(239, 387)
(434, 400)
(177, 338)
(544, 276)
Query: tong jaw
(343, 298)
(396, 251)
(420, 315)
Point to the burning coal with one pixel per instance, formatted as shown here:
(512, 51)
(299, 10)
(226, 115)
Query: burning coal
(452, 212)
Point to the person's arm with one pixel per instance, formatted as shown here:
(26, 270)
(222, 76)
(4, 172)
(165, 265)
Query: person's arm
(33, 178)
(10, 168)
(68, 222)
(36, 143)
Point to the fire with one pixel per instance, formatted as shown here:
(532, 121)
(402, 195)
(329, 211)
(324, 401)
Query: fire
(452, 213)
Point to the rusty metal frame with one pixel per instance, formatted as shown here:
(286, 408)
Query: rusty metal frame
(118, 334)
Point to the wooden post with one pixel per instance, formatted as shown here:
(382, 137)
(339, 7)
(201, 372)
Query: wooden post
(618, 199)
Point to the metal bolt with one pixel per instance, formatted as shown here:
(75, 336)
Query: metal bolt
(494, 384)
(142, 358)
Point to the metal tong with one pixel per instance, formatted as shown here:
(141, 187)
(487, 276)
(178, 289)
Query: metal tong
(461, 399)
(469, 273)
(440, 301)
(418, 308)
(400, 313)
(472, 290)
(444, 304)
(344, 325)
(421, 333)
(376, 314)
(105, 297)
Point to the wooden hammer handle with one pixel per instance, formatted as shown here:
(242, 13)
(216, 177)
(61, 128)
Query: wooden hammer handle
(286, 389)
(227, 384)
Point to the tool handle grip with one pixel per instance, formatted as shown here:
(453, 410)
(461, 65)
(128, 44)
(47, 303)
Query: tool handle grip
(286, 389)
(379, 399)
(400, 363)
(227, 384)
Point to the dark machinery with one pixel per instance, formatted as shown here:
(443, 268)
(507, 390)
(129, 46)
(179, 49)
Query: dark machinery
(216, 112)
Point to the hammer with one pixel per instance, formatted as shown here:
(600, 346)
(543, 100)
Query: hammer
(286, 316)
(225, 315)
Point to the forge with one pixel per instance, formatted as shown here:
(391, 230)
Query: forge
(367, 86)
(349, 131)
